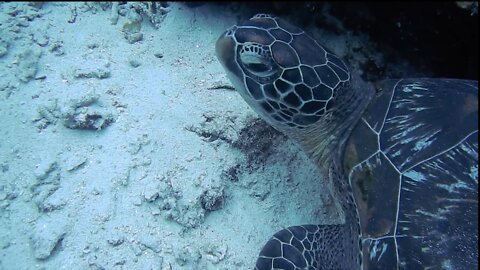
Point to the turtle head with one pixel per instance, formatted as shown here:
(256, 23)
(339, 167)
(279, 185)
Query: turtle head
(281, 72)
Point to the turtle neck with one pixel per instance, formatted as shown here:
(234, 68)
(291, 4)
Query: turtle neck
(324, 141)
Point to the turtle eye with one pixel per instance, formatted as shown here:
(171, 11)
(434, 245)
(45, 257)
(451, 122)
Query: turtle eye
(258, 67)
(256, 61)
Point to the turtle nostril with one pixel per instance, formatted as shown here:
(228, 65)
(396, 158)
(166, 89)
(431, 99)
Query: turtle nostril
(230, 31)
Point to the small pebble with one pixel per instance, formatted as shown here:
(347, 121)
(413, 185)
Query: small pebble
(134, 63)
(137, 201)
(3, 51)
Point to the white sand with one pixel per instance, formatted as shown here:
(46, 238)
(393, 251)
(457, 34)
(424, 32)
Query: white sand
(146, 191)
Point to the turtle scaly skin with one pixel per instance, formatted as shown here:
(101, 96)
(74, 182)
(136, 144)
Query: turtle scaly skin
(403, 168)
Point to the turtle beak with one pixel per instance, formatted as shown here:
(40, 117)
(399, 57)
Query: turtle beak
(225, 50)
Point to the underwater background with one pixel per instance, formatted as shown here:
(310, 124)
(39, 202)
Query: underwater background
(123, 146)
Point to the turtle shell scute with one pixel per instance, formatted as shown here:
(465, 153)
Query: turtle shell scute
(253, 35)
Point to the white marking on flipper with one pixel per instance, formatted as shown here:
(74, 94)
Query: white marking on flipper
(373, 253)
(426, 141)
(386, 113)
(474, 172)
(415, 176)
(443, 152)
(360, 164)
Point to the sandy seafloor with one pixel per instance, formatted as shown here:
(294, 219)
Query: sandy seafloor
(121, 150)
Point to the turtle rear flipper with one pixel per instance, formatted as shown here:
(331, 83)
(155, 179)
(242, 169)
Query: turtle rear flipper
(308, 247)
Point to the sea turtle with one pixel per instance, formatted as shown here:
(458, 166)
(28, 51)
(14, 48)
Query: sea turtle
(401, 154)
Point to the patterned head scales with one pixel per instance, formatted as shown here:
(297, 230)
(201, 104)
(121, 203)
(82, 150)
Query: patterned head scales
(281, 72)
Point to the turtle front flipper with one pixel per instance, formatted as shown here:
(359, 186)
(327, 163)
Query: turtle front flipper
(308, 247)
